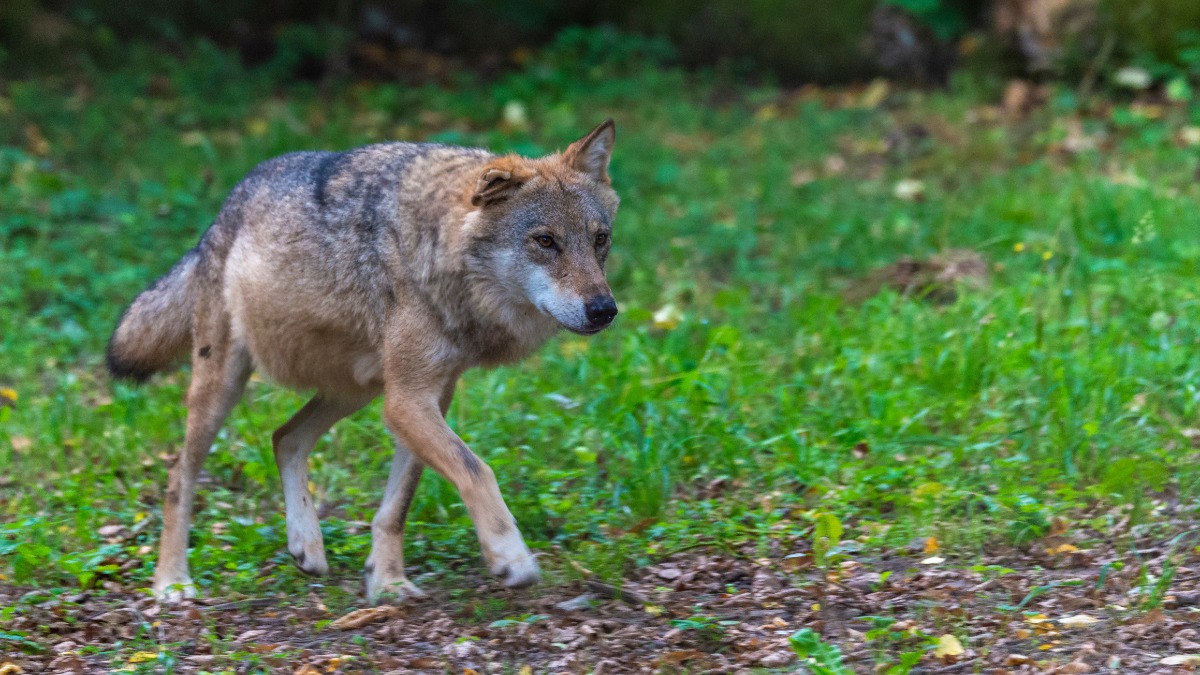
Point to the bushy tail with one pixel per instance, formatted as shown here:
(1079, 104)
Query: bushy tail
(156, 330)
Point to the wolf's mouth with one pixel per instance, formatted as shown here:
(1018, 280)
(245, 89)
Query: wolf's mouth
(591, 330)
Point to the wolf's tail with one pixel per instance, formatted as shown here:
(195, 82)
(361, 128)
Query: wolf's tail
(156, 330)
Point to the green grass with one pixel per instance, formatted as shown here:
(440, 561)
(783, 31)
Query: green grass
(1063, 390)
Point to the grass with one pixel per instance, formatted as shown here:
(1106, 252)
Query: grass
(1066, 390)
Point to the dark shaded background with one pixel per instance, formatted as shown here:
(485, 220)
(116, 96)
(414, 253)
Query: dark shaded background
(792, 41)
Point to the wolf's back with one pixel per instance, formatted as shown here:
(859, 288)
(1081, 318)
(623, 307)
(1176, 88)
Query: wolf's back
(156, 330)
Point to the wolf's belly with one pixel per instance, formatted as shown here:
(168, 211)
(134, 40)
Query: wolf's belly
(301, 335)
(316, 359)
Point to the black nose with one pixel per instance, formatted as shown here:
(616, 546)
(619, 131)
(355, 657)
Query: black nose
(601, 310)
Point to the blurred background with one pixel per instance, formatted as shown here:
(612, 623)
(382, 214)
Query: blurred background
(822, 41)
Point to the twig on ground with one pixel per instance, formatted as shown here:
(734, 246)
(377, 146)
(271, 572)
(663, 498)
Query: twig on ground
(616, 593)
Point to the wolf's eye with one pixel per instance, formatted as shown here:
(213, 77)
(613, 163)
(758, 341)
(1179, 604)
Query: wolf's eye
(544, 240)
(601, 238)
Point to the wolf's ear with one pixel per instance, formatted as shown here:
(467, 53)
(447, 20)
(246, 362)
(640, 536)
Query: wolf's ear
(499, 181)
(591, 153)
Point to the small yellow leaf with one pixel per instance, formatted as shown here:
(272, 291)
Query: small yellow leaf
(668, 317)
(1078, 620)
(142, 657)
(1064, 548)
(948, 645)
(931, 546)
(767, 112)
(8, 393)
(654, 610)
(875, 93)
(10, 668)
(1037, 618)
(1045, 647)
(525, 670)
(470, 671)
(816, 607)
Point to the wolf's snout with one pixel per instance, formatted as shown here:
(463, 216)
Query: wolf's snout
(600, 310)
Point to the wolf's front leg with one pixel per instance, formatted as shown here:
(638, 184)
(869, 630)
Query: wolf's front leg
(413, 417)
(385, 566)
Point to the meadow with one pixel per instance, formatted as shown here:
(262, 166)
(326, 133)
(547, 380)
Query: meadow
(748, 409)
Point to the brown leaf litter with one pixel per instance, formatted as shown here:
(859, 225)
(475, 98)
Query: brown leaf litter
(936, 279)
(1060, 607)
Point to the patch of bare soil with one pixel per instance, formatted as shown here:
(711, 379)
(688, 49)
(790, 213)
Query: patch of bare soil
(1055, 609)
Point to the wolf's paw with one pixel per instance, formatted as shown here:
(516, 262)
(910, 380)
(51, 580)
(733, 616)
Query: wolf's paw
(515, 564)
(392, 589)
(173, 591)
(306, 544)
(310, 557)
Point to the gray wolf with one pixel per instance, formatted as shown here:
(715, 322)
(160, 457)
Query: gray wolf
(390, 269)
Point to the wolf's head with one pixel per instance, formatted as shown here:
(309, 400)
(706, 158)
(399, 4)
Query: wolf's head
(542, 228)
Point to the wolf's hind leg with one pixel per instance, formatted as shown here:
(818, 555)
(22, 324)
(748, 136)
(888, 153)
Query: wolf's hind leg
(219, 374)
(293, 442)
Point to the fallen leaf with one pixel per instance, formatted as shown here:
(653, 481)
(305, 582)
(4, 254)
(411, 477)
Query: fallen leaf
(1181, 660)
(110, 530)
(361, 617)
(948, 646)
(875, 93)
(142, 657)
(307, 670)
(668, 317)
(909, 190)
(669, 573)
(931, 545)
(1078, 620)
(679, 656)
(935, 560)
(525, 670)
(1075, 668)
(580, 602)
(10, 668)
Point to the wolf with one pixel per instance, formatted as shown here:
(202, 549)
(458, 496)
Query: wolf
(389, 269)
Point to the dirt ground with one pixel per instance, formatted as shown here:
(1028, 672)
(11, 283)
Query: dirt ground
(1054, 608)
